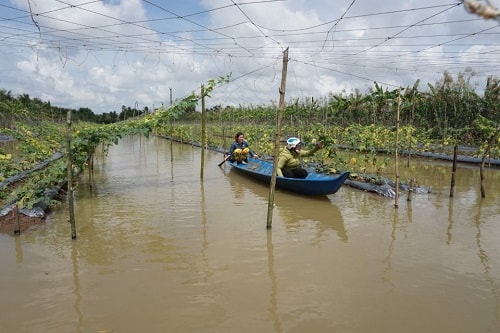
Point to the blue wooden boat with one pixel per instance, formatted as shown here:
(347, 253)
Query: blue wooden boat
(314, 184)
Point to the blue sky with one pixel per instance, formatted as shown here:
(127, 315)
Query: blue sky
(105, 54)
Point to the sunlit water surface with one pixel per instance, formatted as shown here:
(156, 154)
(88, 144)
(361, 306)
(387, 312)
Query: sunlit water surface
(161, 249)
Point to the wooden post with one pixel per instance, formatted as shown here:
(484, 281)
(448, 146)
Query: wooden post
(15, 212)
(411, 124)
(224, 141)
(491, 142)
(203, 129)
(453, 171)
(69, 169)
(90, 162)
(396, 170)
(410, 190)
(277, 140)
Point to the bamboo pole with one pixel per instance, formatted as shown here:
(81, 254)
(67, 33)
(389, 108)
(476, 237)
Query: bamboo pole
(454, 171)
(491, 142)
(203, 130)
(69, 169)
(224, 141)
(91, 170)
(396, 170)
(411, 124)
(277, 140)
(410, 190)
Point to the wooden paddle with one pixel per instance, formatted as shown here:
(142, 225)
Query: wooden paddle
(225, 159)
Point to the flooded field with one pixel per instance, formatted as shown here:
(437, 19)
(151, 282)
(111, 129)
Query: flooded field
(161, 249)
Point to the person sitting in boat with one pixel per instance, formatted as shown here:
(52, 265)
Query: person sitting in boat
(289, 159)
(240, 150)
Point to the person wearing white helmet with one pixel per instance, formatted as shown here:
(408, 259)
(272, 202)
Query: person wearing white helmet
(289, 159)
(239, 150)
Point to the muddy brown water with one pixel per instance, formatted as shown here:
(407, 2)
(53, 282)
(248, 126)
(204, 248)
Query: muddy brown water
(159, 249)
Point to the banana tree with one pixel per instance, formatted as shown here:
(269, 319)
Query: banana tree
(381, 101)
(491, 131)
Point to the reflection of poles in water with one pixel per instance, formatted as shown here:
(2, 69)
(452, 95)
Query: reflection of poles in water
(409, 212)
(92, 185)
(390, 252)
(15, 213)
(410, 189)
(204, 243)
(142, 149)
(483, 257)
(157, 154)
(19, 250)
(131, 141)
(172, 187)
(76, 286)
(450, 221)
(273, 303)
(99, 155)
(321, 212)
(172, 152)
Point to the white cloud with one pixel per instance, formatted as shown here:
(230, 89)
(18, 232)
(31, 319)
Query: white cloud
(107, 54)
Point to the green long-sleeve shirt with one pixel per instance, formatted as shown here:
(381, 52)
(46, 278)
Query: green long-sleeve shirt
(291, 158)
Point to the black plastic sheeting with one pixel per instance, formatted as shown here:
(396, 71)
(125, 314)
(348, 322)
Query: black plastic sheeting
(460, 158)
(386, 189)
(39, 209)
(26, 173)
(5, 138)
(440, 156)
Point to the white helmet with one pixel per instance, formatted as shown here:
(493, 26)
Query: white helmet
(292, 143)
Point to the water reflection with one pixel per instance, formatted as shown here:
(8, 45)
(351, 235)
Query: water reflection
(156, 251)
(450, 221)
(326, 216)
(390, 251)
(273, 299)
(485, 261)
(295, 210)
(204, 242)
(76, 286)
(18, 250)
(129, 206)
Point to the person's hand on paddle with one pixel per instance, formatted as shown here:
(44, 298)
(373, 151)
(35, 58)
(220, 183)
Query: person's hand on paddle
(226, 157)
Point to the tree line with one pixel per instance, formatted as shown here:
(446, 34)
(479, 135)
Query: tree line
(28, 110)
(449, 108)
